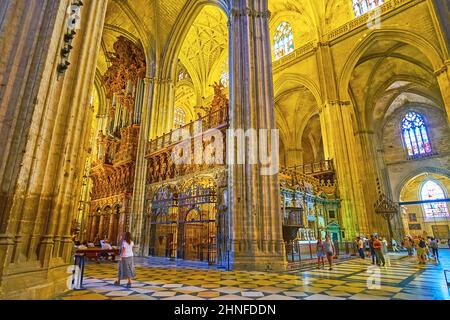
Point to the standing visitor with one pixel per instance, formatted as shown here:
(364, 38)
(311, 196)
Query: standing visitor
(360, 245)
(434, 244)
(378, 248)
(372, 250)
(385, 251)
(329, 250)
(126, 263)
(385, 245)
(421, 250)
(320, 253)
(367, 246)
(408, 246)
(394, 245)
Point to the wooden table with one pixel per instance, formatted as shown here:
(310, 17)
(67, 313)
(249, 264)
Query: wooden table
(97, 254)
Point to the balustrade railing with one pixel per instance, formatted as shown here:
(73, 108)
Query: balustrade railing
(300, 176)
(314, 168)
(214, 120)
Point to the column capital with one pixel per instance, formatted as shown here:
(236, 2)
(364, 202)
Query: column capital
(337, 103)
(249, 12)
(149, 80)
(157, 80)
(368, 132)
(442, 69)
(322, 44)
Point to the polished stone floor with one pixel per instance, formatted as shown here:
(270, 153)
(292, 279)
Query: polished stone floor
(402, 279)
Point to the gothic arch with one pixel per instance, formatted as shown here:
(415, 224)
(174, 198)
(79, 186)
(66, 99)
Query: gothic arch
(297, 80)
(102, 103)
(190, 12)
(411, 175)
(144, 34)
(417, 85)
(403, 36)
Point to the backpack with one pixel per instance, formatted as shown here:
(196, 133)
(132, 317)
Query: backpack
(422, 244)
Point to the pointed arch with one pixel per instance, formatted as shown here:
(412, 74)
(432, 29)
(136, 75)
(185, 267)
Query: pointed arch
(423, 45)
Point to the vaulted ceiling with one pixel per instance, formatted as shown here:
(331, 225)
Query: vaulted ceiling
(205, 50)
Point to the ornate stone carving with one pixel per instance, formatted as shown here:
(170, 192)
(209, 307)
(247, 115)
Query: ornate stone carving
(127, 64)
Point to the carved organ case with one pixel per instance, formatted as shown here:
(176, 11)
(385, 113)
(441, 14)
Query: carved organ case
(112, 172)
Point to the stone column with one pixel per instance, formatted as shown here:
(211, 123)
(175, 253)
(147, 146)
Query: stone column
(94, 227)
(440, 18)
(162, 107)
(111, 227)
(294, 156)
(443, 78)
(373, 169)
(255, 226)
(100, 225)
(137, 202)
(87, 227)
(341, 147)
(44, 124)
(337, 125)
(439, 12)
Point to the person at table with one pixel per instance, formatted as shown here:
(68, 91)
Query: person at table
(83, 246)
(106, 245)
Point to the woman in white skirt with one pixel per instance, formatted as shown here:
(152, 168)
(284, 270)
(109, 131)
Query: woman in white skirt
(126, 263)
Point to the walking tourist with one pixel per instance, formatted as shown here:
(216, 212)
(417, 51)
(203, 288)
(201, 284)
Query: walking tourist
(320, 253)
(394, 245)
(330, 251)
(126, 263)
(434, 244)
(378, 248)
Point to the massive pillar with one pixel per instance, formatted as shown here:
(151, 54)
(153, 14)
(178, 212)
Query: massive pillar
(374, 171)
(159, 94)
(255, 240)
(44, 124)
(440, 11)
(338, 129)
(137, 205)
(443, 77)
(294, 156)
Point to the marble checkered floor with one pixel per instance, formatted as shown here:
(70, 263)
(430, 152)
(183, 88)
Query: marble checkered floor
(402, 279)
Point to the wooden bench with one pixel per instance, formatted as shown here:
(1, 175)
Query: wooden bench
(97, 254)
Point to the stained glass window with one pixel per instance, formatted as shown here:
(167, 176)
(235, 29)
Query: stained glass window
(362, 6)
(225, 79)
(283, 40)
(415, 135)
(433, 191)
(179, 118)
